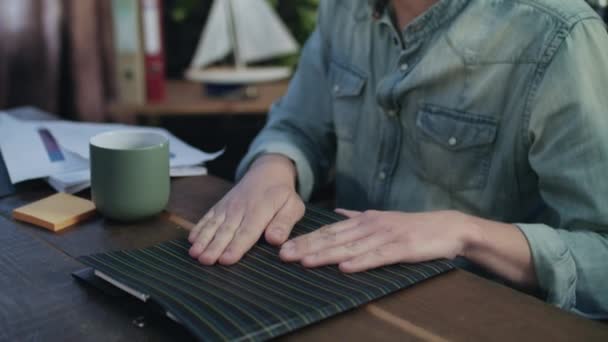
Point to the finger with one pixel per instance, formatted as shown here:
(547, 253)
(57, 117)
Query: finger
(384, 255)
(245, 237)
(201, 223)
(347, 251)
(310, 243)
(348, 213)
(254, 223)
(221, 239)
(282, 223)
(206, 233)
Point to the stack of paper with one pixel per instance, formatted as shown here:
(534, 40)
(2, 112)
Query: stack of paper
(59, 151)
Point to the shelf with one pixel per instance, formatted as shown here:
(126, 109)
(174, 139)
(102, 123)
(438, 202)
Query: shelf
(188, 98)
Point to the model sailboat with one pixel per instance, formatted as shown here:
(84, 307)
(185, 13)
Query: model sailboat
(252, 32)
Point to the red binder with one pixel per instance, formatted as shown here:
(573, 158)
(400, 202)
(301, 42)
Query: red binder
(151, 11)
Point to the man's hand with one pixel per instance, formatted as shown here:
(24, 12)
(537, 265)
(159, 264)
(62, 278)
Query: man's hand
(374, 238)
(264, 200)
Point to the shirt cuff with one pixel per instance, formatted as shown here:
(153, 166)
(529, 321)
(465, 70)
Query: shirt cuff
(554, 265)
(305, 175)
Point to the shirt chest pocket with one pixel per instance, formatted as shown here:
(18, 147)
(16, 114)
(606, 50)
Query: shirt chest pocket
(347, 89)
(454, 149)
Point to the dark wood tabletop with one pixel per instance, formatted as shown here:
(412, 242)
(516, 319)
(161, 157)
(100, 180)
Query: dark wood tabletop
(39, 300)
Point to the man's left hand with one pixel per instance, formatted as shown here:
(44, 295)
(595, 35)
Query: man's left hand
(371, 239)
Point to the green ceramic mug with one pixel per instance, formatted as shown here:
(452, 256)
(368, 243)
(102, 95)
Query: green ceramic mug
(129, 174)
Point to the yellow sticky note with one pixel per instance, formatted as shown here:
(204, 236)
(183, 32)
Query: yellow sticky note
(56, 212)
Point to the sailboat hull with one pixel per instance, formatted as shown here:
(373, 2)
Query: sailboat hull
(238, 76)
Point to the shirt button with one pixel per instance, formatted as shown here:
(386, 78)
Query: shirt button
(336, 89)
(452, 141)
(382, 175)
(404, 67)
(391, 112)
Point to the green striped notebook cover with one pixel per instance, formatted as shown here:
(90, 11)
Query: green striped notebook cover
(260, 297)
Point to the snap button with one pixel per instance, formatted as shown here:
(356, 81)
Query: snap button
(452, 141)
(382, 175)
(336, 88)
(404, 67)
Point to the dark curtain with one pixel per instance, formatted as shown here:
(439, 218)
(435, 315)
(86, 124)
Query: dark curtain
(57, 55)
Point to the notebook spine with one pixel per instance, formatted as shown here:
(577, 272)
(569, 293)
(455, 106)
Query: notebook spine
(128, 46)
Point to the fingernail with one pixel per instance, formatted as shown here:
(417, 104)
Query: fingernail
(346, 266)
(288, 248)
(206, 259)
(226, 258)
(278, 232)
(195, 250)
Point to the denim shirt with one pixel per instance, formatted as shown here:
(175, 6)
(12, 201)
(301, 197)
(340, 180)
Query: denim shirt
(496, 108)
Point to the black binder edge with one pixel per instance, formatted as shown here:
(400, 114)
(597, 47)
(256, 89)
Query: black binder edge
(87, 276)
(6, 186)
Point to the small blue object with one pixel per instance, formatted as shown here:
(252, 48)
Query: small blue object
(52, 147)
(222, 90)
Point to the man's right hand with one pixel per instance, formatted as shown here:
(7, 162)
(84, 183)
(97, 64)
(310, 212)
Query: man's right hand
(265, 200)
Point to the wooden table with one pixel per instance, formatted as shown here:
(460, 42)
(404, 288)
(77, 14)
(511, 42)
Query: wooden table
(187, 98)
(39, 300)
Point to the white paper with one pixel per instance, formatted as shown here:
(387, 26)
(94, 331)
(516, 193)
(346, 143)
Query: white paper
(75, 137)
(76, 181)
(25, 154)
(188, 171)
(71, 182)
(66, 167)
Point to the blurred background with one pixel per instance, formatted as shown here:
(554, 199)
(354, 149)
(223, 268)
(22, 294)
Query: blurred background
(62, 56)
(70, 58)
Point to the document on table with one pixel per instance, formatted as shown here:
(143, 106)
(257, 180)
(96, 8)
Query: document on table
(31, 151)
(75, 137)
(59, 151)
(75, 181)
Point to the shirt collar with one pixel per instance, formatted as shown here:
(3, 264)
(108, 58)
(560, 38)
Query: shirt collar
(427, 22)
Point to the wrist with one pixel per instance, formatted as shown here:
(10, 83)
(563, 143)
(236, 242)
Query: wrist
(471, 234)
(274, 167)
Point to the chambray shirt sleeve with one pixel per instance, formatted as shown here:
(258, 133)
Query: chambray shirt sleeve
(300, 124)
(568, 132)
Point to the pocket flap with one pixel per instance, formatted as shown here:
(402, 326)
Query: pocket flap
(456, 130)
(346, 81)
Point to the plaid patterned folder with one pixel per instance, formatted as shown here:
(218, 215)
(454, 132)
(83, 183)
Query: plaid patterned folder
(260, 297)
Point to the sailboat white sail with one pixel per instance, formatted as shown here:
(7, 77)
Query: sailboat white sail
(252, 32)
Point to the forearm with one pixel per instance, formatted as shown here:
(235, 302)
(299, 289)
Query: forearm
(276, 167)
(300, 124)
(501, 249)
